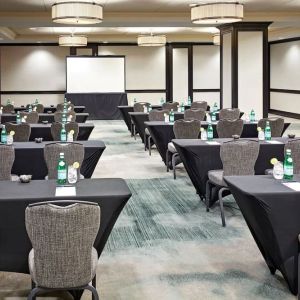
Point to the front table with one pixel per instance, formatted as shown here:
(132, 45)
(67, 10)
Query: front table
(271, 211)
(111, 195)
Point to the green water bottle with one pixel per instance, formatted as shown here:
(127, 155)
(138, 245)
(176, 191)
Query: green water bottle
(3, 135)
(64, 118)
(65, 109)
(30, 108)
(18, 118)
(182, 107)
(213, 116)
(215, 108)
(288, 166)
(252, 116)
(8, 101)
(189, 101)
(36, 101)
(268, 134)
(65, 100)
(210, 132)
(149, 108)
(61, 170)
(63, 133)
(162, 101)
(171, 116)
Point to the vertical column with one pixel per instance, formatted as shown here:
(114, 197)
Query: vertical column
(244, 66)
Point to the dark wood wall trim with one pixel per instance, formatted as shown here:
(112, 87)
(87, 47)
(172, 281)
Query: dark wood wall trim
(284, 91)
(155, 91)
(206, 90)
(295, 39)
(32, 92)
(284, 113)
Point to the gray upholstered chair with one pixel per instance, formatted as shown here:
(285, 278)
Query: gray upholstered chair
(170, 105)
(58, 116)
(74, 152)
(276, 124)
(195, 114)
(138, 107)
(62, 234)
(39, 108)
(7, 158)
(56, 129)
(22, 131)
(31, 117)
(183, 129)
(199, 105)
(7, 109)
(294, 145)
(60, 107)
(154, 115)
(229, 113)
(238, 158)
(227, 128)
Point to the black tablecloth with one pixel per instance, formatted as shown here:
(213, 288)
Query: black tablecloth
(271, 211)
(162, 133)
(199, 157)
(110, 194)
(100, 106)
(44, 131)
(77, 109)
(29, 158)
(80, 117)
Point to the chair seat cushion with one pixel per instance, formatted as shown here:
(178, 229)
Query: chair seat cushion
(32, 268)
(147, 131)
(171, 148)
(216, 177)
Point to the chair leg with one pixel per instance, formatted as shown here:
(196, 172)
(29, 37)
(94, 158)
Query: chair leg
(131, 129)
(34, 292)
(167, 160)
(221, 206)
(174, 165)
(149, 145)
(94, 284)
(208, 192)
(145, 141)
(95, 295)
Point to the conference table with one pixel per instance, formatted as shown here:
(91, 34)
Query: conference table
(52, 108)
(44, 117)
(111, 195)
(44, 131)
(100, 106)
(271, 211)
(199, 157)
(162, 133)
(29, 158)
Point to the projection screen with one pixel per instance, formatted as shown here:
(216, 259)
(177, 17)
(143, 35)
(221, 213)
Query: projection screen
(96, 74)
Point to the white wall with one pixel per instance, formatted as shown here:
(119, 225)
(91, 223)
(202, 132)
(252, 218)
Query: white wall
(285, 74)
(250, 72)
(226, 76)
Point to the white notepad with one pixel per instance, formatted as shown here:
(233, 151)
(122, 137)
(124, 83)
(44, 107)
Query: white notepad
(212, 143)
(274, 142)
(293, 185)
(65, 191)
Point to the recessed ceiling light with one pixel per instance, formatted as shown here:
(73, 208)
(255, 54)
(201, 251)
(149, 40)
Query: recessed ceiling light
(105, 42)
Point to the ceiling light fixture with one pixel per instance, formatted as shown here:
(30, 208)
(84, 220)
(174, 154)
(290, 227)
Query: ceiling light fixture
(72, 41)
(77, 12)
(217, 13)
(217, 40)
(151, 40)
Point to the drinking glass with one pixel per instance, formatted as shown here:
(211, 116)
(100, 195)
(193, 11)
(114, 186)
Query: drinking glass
(204, 135)
(9, 139)
(278, 171)
(72, 175)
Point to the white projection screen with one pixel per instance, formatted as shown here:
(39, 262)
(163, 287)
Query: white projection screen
(96, 74)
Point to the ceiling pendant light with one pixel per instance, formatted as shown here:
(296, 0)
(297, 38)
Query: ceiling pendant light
(72, 41)
(217, 40)
(77, 12)
(217, 13)
(151, 40)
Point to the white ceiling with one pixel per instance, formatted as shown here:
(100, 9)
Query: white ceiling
(30, 20)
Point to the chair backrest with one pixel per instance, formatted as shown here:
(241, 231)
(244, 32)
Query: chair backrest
(7, 109)
(170, 105)
(157, 115)
(229, 113)
(227, 128)
(187, 129)
(56, 128)
(294, 145)
(60, 107)
(199, 105)
(139, 106)
(196, 114)
(31, 117)
(74, 152)
(22, 131)
(39, 108)
(58, 116)
(276, 124)
(239, 157)
(7, 158)
(62, 238)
